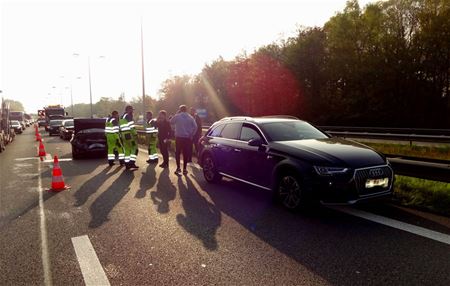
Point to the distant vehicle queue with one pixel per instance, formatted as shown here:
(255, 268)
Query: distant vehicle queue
(12, 123)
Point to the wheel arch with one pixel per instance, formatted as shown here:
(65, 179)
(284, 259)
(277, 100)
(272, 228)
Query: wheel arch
(288, 165)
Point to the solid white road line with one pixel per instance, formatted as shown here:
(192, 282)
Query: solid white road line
(434, 235)
(91, 268)
(59, 159)
(43, 228)
(27, 158)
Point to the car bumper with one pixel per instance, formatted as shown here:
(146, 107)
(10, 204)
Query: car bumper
(85, 149)
(352, 190)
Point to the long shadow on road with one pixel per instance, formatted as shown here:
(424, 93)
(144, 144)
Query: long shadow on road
(4, 220)
(339, 248)
(105, 203)
(148, 180)
(201, 219)
(92, 185)
(165, 192)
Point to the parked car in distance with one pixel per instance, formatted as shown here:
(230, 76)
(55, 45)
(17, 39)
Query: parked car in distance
(298, 162)
(66, 130)
(89, 138)
(15, 124)
(53, 127)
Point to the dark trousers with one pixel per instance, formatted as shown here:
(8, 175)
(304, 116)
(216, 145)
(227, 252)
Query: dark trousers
(195, 141)
(183, 145)
(164, 148)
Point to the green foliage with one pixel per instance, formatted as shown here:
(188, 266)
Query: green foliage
(424, 194)
(387, 64)
(102, 108)
(15, 105)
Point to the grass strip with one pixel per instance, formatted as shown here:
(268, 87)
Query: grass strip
(423, 194)
(432, 152)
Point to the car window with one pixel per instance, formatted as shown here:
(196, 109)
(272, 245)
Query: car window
(291, 130)
(215, 132)
(231, 131)
(55, 122)
(249, 132)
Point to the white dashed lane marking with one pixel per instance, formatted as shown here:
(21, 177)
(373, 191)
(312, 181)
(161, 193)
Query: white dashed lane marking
(431, 234)
(90, 266)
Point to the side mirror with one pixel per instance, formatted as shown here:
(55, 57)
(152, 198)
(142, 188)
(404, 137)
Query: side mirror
(255, 142)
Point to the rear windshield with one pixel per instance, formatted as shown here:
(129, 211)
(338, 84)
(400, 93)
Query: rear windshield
(55, 122)
(68, 123)
(291, 130)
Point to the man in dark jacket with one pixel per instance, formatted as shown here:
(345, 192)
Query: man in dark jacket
(198, 133)
(164, 134)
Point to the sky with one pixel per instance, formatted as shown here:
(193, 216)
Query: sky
(39, 40)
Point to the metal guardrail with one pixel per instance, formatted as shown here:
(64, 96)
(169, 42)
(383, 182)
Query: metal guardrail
(395, 137)
(425, 168)
(421, 169)
(419, 131)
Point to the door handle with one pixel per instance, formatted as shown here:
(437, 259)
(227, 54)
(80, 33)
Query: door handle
(237, 150)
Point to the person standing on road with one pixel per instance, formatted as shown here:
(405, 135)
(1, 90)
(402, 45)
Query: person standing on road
(185, 128)
(129, 137)
(115, 147)
(198, 132)
(164, 134)
(151, 132)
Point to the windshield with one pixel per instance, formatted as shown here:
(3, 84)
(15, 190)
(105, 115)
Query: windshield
(291, 130)
(68, 123)
(55, 122)
(15, 123)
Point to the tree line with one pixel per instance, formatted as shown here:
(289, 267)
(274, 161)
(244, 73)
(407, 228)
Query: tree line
(387, 64)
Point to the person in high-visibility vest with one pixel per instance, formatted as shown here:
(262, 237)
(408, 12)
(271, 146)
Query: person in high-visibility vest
(129, 138)
(152, 135)
(115, 148)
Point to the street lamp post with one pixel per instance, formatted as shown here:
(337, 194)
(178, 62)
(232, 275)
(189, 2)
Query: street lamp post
(90, 86)
(143, 77)
(90, 82)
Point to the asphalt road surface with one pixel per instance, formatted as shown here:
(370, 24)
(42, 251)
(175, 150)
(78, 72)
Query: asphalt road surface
(150, 227)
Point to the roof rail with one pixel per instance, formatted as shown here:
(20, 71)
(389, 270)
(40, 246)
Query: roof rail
(237, 118)
(281, 116)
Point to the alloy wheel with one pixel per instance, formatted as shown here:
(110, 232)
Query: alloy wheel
(289, 192)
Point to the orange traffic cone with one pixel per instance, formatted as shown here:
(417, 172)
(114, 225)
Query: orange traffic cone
(57, 179)
(41, 152)
(38, 137)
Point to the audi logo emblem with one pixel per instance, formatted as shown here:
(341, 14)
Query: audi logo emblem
(375, 172)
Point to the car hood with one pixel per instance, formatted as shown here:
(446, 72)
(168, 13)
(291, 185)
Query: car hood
(331, 151)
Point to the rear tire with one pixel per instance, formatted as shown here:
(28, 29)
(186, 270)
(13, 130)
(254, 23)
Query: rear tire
(210, 170)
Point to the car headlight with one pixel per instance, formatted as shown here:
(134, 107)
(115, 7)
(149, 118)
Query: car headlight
(328, 171)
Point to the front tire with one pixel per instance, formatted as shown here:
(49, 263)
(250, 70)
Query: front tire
(210, 170)
(290, 191)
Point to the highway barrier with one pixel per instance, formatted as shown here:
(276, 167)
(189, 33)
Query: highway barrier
(397, 134)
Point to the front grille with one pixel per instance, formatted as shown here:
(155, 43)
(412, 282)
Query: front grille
(362, 175)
